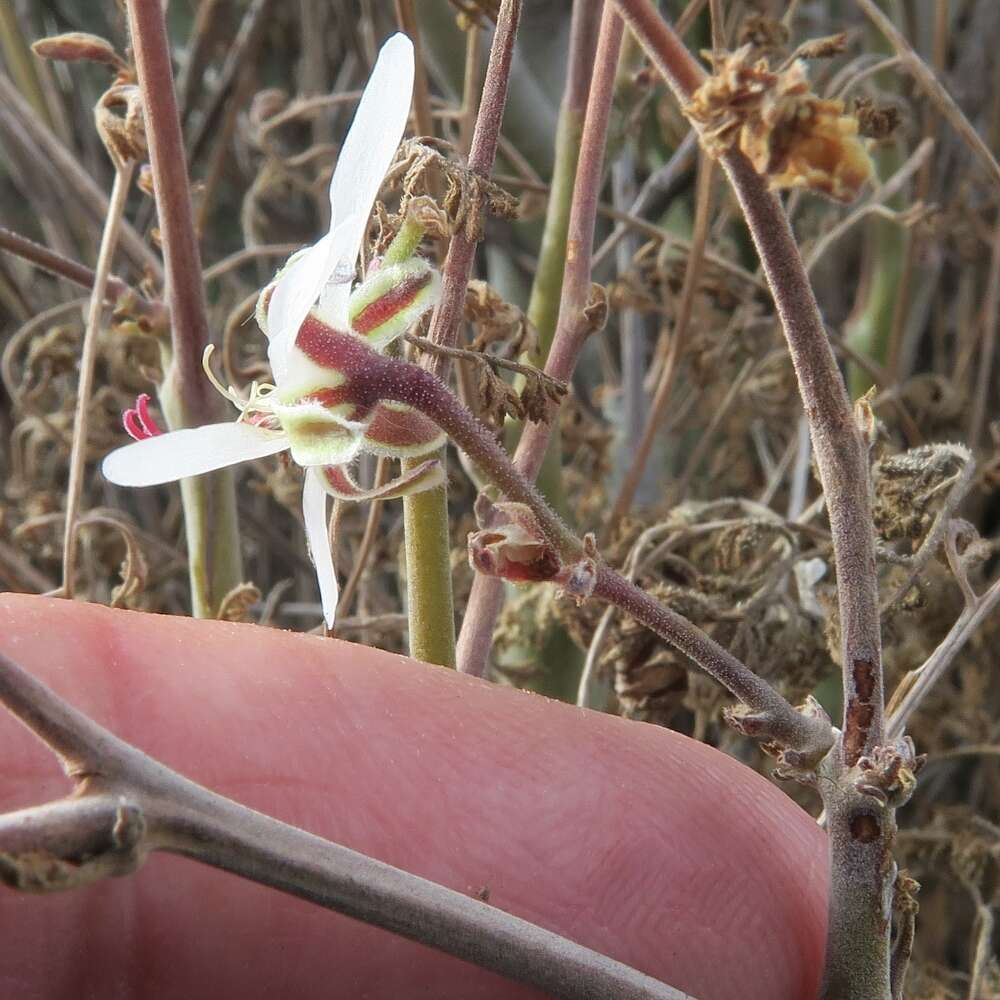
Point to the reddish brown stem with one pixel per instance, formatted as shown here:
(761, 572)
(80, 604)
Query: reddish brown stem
(374, 377)
(186, 395)
(485, 599)
(119, 293)
(182, 259)
(457, 267)
(861, 827)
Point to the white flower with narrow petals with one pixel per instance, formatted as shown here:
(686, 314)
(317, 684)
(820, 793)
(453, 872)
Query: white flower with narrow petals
(308, 410)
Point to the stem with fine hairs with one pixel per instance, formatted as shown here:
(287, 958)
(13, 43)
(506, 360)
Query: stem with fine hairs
(210, 518)
(572, 326)
(861, 828)
(430, 603)
(78, 451)
(373, 377)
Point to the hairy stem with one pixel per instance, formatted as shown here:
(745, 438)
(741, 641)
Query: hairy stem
(81, 420)
(186, 396)
(773, 718)
(859, 928)
(425, 515)
(131, 805)
(374, 376)
(572, 327)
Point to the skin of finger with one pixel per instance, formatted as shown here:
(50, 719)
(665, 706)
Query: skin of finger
(628, 838)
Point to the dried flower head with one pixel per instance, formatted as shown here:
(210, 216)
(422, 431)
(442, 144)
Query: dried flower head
(120, 124)
(790, 135)
(466, 196)
(511, 545)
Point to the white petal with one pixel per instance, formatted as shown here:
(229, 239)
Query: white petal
(297, 290)
(314, 515)
(190, 452)
(371, 143)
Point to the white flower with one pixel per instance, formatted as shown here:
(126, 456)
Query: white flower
(308, 410)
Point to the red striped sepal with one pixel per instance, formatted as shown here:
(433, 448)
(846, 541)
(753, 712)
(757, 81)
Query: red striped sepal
(340, 484)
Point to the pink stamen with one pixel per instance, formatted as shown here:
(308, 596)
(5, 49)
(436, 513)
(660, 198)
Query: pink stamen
(138, 422)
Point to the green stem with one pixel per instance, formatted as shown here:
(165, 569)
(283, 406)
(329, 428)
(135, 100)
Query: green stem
(543, 304)
(21, 61)
(430, 605)
(425, 515)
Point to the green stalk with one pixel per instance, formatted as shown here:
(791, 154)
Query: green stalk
(21, 62)
(869, 329)
(543, 304)
(430, 606)
(425, 515)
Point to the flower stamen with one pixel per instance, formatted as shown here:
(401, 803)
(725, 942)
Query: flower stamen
(138, 422)
(256, 408)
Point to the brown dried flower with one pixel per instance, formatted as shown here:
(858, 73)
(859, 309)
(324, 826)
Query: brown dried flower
(123, 135)
(790, 135)
(511, 545)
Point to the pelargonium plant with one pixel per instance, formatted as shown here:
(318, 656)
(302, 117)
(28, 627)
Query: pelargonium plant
(676, 863)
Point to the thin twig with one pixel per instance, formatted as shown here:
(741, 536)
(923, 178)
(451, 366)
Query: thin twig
(131, 805)
(409, 25)
(425, 515)
(670, 364)
(118, 293)
(246, 41)
(936, 532)
(90, 195)
(81, 422)
(367, 544)
(932, 87)
(987, 343)
(572, 327)
(917, 685)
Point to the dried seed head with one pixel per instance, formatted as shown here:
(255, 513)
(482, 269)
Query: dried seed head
(790, 135)
(876, 121)
(466, 196)
(764, 34)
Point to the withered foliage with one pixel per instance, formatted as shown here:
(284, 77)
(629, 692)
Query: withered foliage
(792, 136)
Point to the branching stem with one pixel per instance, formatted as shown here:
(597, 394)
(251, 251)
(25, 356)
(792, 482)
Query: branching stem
(572, 327)
(860, 831)
(127, 805)
(425, 515)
